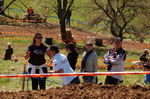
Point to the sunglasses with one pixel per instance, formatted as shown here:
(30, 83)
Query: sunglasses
(89, 44)
(39, 37)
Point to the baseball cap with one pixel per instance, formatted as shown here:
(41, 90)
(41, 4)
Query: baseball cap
(117, 39)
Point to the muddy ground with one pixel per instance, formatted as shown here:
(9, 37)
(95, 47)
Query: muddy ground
(83, 91)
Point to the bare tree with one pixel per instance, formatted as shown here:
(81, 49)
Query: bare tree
(63, 7)
(2, 11)
(1, 7)
(118, 14)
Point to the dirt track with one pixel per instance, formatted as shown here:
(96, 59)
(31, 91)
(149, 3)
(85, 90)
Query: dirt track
(83, 91)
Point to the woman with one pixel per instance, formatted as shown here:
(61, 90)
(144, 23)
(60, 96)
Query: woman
(89, 63)
(36, 54)
(72, 55)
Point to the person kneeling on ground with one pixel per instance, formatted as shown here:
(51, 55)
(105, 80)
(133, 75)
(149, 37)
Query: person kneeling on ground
(61, 65)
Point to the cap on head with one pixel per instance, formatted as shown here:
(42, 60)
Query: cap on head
(117, 39)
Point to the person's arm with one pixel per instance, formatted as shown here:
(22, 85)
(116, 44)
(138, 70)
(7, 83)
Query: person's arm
(95, 63)
(47, 53)
(120, 57)
(27, 55)
(59, 71)
(106, 56)
(57, 67)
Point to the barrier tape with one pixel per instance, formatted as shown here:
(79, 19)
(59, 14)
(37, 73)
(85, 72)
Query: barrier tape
(72, 74)
(22, 20)
(17, 38)
(25, 34)
(47, 35)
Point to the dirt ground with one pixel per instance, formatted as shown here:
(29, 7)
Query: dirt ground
(83, 91)
(53, 31)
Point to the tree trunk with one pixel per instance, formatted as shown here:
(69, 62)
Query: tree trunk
(1, 7)
(63, 29)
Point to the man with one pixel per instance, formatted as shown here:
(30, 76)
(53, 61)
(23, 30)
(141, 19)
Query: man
(144, 56)
(30, 11)
(115, 59)
(8, 52)
(61, 65)
(89, 63)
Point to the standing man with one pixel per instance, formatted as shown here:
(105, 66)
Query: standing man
(8, 52)
(89, 63)
(115, 59)
(61, 65)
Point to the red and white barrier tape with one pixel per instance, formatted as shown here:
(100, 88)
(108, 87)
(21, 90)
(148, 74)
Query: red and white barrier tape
(72, 74)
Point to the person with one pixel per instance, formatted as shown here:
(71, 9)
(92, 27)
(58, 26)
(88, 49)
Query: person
(36, 55)
(145, 59)
(8, 52)
(147, 68)
(115, 59)
(69, 13)
(72, 55)
(61, 65)
(89, 63)
(144, 56)
(30, 11)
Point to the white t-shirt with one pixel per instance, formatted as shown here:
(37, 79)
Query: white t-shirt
(61, 62)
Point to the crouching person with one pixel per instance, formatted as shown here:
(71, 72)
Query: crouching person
(61, 65)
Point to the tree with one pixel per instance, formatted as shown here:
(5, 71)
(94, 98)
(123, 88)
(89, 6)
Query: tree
(1, 7)
(2, 11)
(63, 7)
(118, 14)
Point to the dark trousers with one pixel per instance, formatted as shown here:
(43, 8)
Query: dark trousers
(113, 81)
(90, 79)
(75, 81)
(38, 81)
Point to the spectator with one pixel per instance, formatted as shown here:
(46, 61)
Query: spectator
(144, 56)
(115, 58)
(36, 53)
(30, 11)
(147, 76)
(61, 65)
(89, 63)
(72, 55)
(146, 64)
(8, 52)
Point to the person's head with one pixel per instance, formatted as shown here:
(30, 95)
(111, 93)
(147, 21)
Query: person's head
(53, 50)
(89, 46)
(70, 47)
(9, 45)
(117, 43)
(37, 38)
(146, 51)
